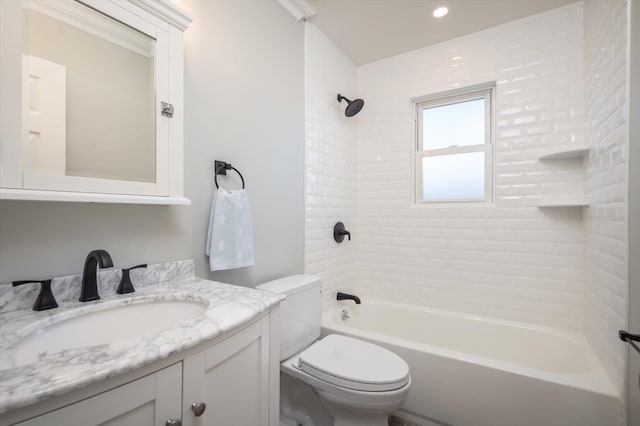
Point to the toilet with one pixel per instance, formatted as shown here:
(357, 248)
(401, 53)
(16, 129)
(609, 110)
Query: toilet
(357, 382)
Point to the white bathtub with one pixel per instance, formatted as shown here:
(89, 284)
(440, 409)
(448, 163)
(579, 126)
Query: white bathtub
(470, 371)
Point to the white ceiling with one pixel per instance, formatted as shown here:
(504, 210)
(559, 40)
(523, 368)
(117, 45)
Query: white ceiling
(368, 30)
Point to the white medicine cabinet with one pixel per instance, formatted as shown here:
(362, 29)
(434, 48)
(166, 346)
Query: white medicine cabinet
(92, 101)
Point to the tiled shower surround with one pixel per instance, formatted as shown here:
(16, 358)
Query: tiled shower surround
(511, 259)
(563, 267)
(605, 221)
(330, 163)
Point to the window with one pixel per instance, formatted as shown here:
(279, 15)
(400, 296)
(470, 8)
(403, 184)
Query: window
(453, 148)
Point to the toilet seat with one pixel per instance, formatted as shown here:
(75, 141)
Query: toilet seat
(354, 364)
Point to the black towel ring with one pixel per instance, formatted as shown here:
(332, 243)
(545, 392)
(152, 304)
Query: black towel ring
(221, 169)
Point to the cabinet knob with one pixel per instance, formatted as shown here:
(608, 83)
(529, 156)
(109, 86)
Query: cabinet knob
(166, 109)
(198, 408)
(173, 422)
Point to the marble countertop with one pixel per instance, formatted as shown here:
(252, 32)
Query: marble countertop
(26, 378)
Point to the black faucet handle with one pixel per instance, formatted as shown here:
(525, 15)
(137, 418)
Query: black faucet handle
(339, 232)
(45, 299)
(126, 286)
(142, 265)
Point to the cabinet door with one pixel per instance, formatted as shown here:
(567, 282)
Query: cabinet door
(151, 400)
(83, 84)
(232, 379)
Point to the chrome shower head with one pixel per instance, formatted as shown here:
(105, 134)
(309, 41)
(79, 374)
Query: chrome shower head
(353, 107)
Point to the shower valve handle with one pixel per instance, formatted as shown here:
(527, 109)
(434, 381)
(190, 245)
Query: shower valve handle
(339, 232)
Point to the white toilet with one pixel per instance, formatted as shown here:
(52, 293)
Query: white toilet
(357, 382)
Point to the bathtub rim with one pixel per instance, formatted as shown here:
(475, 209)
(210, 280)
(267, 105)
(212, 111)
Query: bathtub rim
(594, 380)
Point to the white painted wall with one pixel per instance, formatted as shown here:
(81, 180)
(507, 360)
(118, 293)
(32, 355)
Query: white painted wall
(330, 164)
(244, 103)
(606, 220)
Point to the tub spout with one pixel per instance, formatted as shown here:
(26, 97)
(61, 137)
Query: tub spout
(345, 296)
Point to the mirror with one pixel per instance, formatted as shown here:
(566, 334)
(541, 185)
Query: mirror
(89, 102)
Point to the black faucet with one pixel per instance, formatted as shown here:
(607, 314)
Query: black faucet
(89, 289)
(345, 296)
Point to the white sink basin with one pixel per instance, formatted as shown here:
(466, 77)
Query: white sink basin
(108, 324)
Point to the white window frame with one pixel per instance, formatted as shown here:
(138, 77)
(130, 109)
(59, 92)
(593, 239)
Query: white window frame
(484, 91)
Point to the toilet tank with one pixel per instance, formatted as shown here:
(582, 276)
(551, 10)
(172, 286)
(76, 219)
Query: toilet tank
(300, 312)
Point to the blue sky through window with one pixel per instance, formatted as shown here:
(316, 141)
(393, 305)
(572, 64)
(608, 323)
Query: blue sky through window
(460, 124)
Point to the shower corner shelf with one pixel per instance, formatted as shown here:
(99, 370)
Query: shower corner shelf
(564, 153)
(554, 202)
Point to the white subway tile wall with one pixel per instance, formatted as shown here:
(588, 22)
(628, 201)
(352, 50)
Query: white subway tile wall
(330, 164)
(509, 260)
(606, 222)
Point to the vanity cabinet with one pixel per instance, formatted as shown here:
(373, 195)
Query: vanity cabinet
(150, 400)
(92, 101)
(232, 380)
(237, 377)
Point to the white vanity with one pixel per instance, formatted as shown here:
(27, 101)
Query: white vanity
(92, 101)
(218, 364)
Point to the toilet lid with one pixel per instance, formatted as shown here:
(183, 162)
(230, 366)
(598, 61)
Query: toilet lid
(354, 364)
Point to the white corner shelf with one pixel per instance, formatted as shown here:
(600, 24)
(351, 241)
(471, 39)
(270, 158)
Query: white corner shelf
(556, 202)
(80, 197)
(564, 153)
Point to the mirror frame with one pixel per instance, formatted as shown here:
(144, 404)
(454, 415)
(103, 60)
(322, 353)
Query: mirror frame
(160, 20)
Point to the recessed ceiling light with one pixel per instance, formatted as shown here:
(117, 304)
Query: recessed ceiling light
(440, 12)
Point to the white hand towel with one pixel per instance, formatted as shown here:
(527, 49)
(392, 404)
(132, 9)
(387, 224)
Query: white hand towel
(230, 236)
